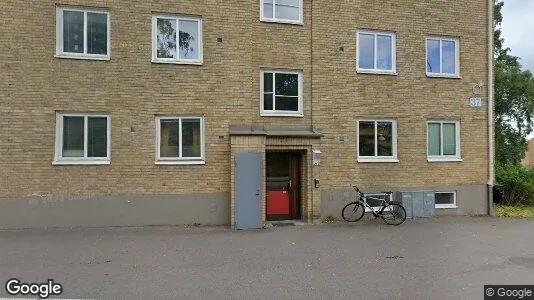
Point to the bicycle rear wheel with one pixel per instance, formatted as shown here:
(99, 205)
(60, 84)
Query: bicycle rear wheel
(353, 212)
(393, 214)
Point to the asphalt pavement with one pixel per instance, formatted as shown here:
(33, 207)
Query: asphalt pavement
(440, 258)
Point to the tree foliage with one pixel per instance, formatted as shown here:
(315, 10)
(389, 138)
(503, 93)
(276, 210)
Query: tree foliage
(514, 99)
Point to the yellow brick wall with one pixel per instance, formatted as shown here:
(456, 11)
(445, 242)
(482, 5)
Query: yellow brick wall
(225, 89)
(341, 96)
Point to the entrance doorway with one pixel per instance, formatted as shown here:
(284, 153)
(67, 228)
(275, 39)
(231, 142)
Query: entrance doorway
(283, 201)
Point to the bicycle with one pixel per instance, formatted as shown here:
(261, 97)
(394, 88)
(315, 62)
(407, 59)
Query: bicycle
(391, 212)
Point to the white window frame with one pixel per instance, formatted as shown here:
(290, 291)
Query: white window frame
(179, 160)
(375, 70)
(60, 160)
(376, 158)
(280, 113)
(452, 205)
(59, 34)
(177, 60)
(286, 21)
(444, 158)
(457, 57)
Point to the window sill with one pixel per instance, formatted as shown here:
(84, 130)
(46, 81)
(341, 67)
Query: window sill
(377, 160)
(433, 75)
(280, 114)
(177, 62)
(441, 206)
(376, 72)
(180, 162)
(64, 162)
(83, 57)
(282, 21)
(444, 159)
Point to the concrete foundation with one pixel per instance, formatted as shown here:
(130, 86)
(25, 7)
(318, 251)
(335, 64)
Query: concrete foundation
(48, 212)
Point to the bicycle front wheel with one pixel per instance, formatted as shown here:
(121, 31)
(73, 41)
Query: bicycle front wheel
(393, 214)
(353, 212)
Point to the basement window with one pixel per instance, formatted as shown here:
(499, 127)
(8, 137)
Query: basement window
(445, 200)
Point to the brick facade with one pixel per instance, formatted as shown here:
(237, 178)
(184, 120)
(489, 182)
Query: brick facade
(225, 90)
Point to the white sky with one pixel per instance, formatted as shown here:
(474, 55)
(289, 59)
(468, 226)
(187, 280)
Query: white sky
(518, 30)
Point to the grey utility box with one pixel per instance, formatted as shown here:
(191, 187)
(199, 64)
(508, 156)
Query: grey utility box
(418, 204)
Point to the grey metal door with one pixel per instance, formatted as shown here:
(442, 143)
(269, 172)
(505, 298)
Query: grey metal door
(248, 185)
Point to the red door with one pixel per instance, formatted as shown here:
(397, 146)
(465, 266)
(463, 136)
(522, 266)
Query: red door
(283, 186)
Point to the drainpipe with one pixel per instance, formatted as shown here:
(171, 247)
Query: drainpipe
(491, 156)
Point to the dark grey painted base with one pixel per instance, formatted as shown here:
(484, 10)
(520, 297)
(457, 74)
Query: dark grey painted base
(470, 199)
(44, 212)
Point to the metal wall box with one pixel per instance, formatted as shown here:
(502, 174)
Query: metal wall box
(418, 204)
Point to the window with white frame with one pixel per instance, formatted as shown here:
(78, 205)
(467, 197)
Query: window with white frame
(443, 141)
(442, 57)
(281, 93)
(176, 39)
(445, 199)
(82, 33)
(377, 141)
(82, 139)
(376, 52)
(283, 11)
(179, 140)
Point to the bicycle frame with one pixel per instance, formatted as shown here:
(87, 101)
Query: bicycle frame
(363, 200)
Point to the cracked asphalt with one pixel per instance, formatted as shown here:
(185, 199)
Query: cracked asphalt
(440, 258)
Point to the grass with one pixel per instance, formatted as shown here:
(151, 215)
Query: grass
(521, 211)
(331, 219)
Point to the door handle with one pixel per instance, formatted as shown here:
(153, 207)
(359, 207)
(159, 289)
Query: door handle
(289, 183)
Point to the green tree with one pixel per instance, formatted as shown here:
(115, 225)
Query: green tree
(514, 100)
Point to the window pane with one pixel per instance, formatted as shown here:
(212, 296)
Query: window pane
(449, 57)
(97, 137)
(434, 139)
(73, 136)
(294, 3)
(73, 31)
(287, 12)
(166, 38)
(189, 48)
(384, 57)
(444, 198)
(287, 84)
(268, 10)
(268, 101)
(287, 103)
(384, 131)
(97, 33)
(170, 138)
(449, 139)
(432, 56)
(191, 138)
(268, 82)
(366, 133)
(367, 51)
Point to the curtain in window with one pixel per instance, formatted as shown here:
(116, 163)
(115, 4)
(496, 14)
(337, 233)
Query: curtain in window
(73, 31)
(434, 139)
(73, 136)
